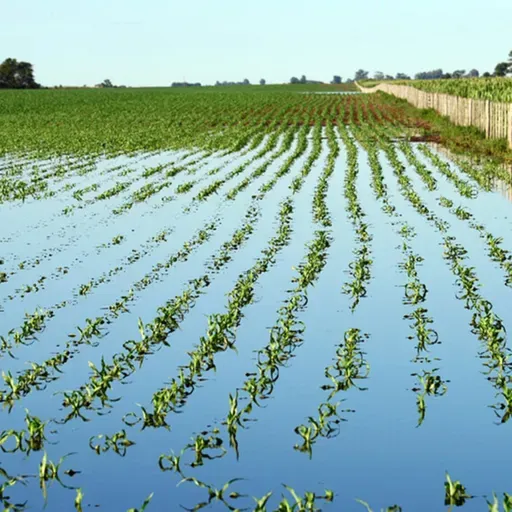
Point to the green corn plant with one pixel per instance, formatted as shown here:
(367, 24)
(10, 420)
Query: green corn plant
(394, 508)
(118, 443)
(78, 500)
(144, 505)
(171, 462)
(455, 492)
(49, 472)
(214, 494)
(495, 505)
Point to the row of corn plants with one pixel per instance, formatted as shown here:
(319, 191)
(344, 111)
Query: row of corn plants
(485, 323)
(415, 291)
(285, 336)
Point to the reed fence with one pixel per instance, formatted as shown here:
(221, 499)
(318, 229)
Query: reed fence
(495, 119)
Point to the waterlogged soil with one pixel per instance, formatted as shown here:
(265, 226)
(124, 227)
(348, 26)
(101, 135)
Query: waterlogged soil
(378, 451)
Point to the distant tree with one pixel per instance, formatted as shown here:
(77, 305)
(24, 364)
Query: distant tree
(501, 69)
(180, 84)
(458, 73)
(446, 76)
(25, 76)
(510, 61)
(303, 79)
(486, 74)
(17, 75)
(8, 73)
(430, 75)
(389, 77)
(378, 75)
(106, 84)
(224, 83)
(473, 73)
(262, 81)
(402, 76)
(361, 74)
(294, 80)
(336, 80)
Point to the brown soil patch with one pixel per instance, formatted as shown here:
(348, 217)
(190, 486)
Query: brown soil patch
(435, 137)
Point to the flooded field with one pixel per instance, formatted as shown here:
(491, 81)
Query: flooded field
(314, 319)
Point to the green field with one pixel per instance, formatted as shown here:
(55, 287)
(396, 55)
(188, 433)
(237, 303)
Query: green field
(98, 121)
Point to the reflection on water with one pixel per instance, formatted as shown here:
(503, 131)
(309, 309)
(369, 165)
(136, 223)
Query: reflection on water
(502, 180)
(503, 187)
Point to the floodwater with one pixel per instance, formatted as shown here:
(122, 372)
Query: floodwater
(378, 453)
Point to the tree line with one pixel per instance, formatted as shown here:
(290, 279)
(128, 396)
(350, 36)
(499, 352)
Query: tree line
(245, 81)
(20, 75)
(185, 84)
(501, 69)
(303, 80)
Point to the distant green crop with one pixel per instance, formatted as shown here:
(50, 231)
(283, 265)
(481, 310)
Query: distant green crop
(98, 121)
(494, 89)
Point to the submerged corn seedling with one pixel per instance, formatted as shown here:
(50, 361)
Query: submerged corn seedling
(7, 483)
(214, 494)
(118, 443)
(49, 472)
(78, 500)
(349, 367)
(394, 508)
(144, 506)
(430, 384)
(455, 493)
(31, 439)
(495, 505)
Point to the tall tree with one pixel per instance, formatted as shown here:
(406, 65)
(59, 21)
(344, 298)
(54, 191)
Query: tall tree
(17, 75)
(8, 73)
(361, 74)
(106, 84)
(501, 69)
(262, 81)
(336, 79)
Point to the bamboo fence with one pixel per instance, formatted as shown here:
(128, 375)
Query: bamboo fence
(495, 119)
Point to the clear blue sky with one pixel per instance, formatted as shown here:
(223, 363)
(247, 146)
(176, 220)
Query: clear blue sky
(156, 42)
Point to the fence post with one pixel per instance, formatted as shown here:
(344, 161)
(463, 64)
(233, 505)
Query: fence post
(510, 125)
(487, 118)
